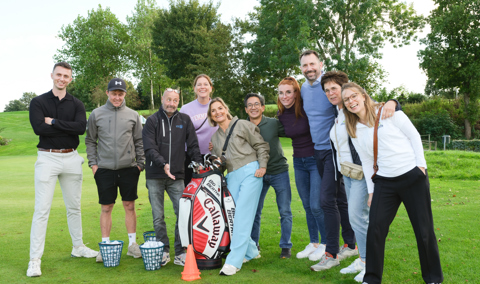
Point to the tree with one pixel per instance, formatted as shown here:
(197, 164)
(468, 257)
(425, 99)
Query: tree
(182, 37)
(95, 47)
(347, 34)
(451, 57)
(21, 104)
(280, 36)
(147, 66)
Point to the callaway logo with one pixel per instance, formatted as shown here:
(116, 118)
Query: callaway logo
(200, 225)
(118, 83)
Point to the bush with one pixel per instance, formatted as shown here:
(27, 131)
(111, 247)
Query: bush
(466, 145)
(436, 123)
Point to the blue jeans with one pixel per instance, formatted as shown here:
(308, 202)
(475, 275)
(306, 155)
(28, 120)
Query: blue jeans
(281, 184)
(156, 195)
(308, 183)
(245, 189)
(358, 210)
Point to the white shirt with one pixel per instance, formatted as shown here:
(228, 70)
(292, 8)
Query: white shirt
(400, 147)
(341, 141)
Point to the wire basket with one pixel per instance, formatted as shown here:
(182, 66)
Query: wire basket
(152, 257)
(111, 253)
(149, 236)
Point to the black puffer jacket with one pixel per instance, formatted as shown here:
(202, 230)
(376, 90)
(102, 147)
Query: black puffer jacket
(164, 141)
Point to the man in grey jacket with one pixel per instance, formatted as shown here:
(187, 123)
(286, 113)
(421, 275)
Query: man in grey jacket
(115, 154)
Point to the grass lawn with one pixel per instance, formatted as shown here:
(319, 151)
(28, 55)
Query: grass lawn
(455, 188)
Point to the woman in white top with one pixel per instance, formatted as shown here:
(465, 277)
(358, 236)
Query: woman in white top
(401, 177)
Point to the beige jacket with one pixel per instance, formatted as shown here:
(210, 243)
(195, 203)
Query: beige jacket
(246, 145)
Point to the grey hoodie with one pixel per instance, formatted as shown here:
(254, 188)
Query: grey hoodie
(114, 138)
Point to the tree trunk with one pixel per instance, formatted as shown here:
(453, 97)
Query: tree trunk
(468, 126)
(151, 81)
(151, 92)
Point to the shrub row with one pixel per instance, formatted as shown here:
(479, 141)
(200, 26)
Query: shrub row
(466, 145)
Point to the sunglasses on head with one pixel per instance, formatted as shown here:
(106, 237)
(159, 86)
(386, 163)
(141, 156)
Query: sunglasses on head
(172, 90)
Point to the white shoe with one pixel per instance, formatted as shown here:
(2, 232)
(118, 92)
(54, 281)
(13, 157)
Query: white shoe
(228, 270)
(326, 262)
(180, 259)
(355, 267)
(318, 253)
(359, 277)
(99, 258)
(134, 250)
(165, 259)
(247, 260)
(307, 251)
(34, 267)
(346, 252)
(84, 251)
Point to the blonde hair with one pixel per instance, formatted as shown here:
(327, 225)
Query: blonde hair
(352, 119)
(209, 81)
(209, 112)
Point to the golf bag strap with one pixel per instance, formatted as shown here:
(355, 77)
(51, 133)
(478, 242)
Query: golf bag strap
(228, 138)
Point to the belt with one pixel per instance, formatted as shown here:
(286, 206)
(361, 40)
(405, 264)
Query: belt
(57, 150)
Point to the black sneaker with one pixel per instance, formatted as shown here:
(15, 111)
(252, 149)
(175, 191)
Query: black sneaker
(286, 253)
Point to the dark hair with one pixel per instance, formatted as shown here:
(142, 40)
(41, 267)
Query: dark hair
(209, 112)
(337, 77)
(249, 95)
(209, 81)
(298, 97)
(62, 64)
(308, 52)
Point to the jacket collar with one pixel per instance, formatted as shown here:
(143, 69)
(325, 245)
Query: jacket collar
(112, 107)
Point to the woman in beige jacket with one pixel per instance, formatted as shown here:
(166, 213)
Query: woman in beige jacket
(246, 162)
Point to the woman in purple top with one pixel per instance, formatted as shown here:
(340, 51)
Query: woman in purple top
(307, 179)
(197, 110)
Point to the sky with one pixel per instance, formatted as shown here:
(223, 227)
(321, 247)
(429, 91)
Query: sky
(29, 29)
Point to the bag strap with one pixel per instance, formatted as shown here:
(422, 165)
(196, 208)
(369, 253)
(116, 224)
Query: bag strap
(375, 143)
(228, 138)
(201, 125)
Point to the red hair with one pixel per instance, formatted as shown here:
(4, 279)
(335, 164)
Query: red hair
(298, 97)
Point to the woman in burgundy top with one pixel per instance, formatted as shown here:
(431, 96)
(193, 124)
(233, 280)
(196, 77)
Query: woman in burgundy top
(307, 179)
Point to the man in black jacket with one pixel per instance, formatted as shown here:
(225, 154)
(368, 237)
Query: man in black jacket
(165, 135)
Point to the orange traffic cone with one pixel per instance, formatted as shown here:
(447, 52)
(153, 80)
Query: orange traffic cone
(190, 271)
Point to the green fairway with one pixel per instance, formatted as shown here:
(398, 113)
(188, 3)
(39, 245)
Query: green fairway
(455, 188)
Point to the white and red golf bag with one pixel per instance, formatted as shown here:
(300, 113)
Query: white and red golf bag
(206, 213)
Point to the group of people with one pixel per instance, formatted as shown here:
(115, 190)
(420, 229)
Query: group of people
(331, 123)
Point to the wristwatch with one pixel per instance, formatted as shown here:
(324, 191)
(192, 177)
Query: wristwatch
(53, 121)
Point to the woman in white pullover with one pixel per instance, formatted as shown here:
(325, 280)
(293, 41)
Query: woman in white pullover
(401, 177)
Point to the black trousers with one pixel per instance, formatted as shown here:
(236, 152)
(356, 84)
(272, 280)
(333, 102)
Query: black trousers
(333, 200)
(413, 189)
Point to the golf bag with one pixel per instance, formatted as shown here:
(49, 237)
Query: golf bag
(206, 213)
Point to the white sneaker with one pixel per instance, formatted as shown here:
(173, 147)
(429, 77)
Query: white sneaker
(247, 260)
(99, 258)
(355, 267)
(346, 252)
(84, 251)
(318, 253)
(165, 259)
(180, 259)
(307, 251)
(134, 250)
(326, 262)
(228, 270)
(34, 267)
(359, 277)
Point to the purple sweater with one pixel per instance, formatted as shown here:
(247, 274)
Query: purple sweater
(299, 131)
